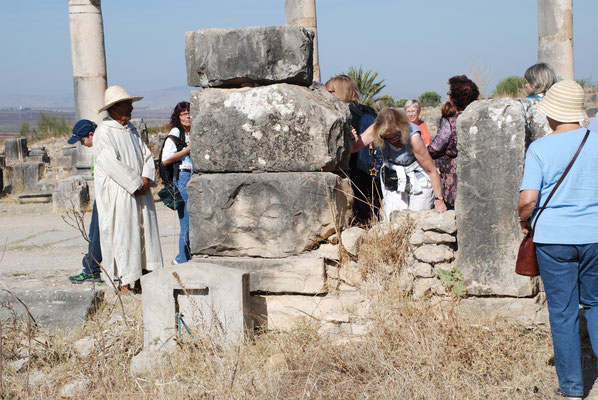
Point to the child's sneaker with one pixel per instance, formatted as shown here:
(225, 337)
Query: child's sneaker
(82, 278)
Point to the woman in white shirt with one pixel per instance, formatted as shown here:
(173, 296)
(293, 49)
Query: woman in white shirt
(176, 150)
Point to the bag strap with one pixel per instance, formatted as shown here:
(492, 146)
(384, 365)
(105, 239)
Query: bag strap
(560, 180)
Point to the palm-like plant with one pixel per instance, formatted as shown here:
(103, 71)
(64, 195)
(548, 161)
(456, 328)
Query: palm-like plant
(368, 89)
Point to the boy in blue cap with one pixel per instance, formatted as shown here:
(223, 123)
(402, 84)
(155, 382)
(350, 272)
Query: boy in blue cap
(83, 133)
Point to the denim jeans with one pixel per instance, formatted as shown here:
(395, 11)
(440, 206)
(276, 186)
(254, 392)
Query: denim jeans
(181, 183)
(570, 276)
(94, 251)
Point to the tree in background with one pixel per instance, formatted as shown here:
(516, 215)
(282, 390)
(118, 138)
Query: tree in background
(512, 86)
(366, 84)
(385, 101)
(429, 99)
(401, 103)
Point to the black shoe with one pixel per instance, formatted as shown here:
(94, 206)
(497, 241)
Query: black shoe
(82, 278)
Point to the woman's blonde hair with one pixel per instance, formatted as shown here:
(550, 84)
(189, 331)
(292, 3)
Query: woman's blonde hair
(391, 122)
(344, 88)
(412, 102)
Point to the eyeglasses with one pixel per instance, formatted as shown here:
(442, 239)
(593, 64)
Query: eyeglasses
(390, 139)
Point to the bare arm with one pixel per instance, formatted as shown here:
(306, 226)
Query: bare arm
(360, 141)
(177, 156)
(527, 202)
(423, 158)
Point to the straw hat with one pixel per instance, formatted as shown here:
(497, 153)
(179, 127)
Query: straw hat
(116, 94)
(563, 102)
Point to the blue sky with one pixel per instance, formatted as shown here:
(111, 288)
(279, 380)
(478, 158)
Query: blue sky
(415, 45)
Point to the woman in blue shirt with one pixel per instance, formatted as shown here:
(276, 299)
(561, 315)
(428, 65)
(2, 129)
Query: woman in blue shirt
(566, 234)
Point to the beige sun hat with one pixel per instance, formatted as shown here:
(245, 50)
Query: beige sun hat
(563, 102)
(116, 94)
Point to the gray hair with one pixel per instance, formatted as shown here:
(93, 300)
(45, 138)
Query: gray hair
(541, 77)
(412, 102)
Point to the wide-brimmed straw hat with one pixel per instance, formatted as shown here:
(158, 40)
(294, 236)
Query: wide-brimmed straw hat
(116, 94)
(563, 102)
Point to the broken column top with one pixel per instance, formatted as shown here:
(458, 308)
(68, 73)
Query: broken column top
(259, 55)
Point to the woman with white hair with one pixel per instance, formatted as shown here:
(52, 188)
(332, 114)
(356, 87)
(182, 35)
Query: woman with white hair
(413, 110)
(538, 79)
(560, 182)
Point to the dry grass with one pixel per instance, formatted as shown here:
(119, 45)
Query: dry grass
(415, 351)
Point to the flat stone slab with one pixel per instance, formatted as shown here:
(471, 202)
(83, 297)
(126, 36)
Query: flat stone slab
(525, 310)
(291, 275)
(64, 309)
(269, 215)
(261, 55)
(27, 198)
(275, 128)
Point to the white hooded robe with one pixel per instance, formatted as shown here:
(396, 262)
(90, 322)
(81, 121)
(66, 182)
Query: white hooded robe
(129, 235)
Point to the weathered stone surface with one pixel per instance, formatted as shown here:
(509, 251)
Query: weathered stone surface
(419, 237)
(429, 253)
(36, 197)
(141, 127)
(283, 312)
(423, 270)
(423, 286)
(536, 124)
(256, 55)
(71, 193)
(267, 215)
(350, 239)
(15, 149)
(524, 310)
(429, 220)
(211, 297)
(490, 167)
(64, 309)
(272, 128)
(301, 274)
(24, 176)
(350, 273)
(75, 389)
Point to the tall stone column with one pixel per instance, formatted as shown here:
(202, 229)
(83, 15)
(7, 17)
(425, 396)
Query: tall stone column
(303, 13)
(555, 36)
(89, 69)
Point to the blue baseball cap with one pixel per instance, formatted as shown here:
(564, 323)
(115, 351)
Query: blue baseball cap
(82, 129)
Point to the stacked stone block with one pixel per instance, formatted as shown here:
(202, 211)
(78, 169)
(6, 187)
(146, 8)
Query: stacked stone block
(267, 149)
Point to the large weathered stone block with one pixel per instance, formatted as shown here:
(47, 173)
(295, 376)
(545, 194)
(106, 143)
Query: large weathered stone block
(15, 149)
(490, 167)
(265, 214)
(272, 128)
(71, 193)
(257, 55)
(24, 176)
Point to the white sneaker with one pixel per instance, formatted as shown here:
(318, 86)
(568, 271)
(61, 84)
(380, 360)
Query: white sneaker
(173, 262)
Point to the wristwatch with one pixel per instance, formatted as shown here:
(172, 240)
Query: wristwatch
(438, 198)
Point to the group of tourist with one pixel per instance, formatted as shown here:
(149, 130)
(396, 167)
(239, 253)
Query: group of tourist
(395, 162)
(396, 165)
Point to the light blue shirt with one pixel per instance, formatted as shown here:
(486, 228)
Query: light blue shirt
(571, 216)
(593, 126)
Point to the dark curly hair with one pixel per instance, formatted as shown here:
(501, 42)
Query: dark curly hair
(175, 121)
(463, 91)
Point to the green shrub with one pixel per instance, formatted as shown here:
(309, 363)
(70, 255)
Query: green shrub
(510, 86)
(401, 103)
(429, 99)
(49, 126)
(25, 128)
(385, 101)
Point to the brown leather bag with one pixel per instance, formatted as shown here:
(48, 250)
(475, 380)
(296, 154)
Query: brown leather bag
(527, 263)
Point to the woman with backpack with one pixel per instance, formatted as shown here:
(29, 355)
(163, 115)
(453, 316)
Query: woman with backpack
(175, 153)
(364, 165)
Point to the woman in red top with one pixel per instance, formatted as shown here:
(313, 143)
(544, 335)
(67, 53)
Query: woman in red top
(412, 109)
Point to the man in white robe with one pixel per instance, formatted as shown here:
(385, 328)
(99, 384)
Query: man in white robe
(124, 172)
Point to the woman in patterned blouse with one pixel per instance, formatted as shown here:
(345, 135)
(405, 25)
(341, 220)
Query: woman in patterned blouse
(443, 148)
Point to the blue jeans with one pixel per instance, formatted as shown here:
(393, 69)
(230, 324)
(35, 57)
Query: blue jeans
(94, 251)
(181, 183)
(570, 276)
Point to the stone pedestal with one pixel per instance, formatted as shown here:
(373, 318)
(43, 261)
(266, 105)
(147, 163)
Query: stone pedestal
(15, 149)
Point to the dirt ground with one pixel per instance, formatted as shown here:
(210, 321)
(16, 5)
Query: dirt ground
(39, 249)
